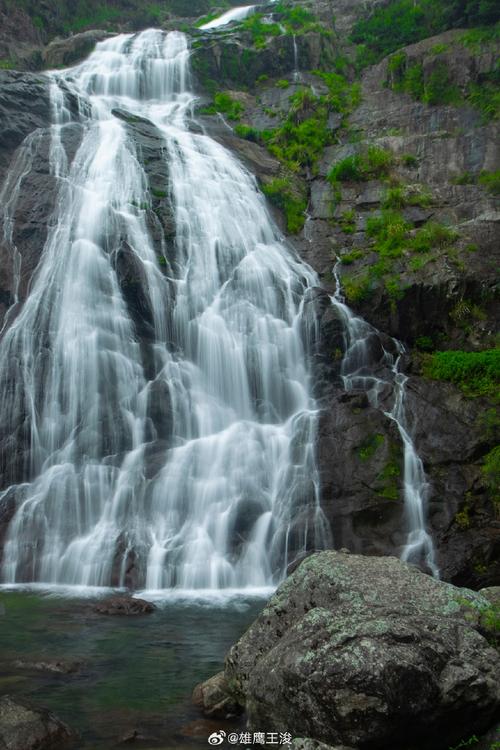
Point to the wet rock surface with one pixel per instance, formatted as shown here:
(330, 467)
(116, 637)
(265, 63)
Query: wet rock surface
(23, 727)
(214, 698)
(370, 653)
(64, 52)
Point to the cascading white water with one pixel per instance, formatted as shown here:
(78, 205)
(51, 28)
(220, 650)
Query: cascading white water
(236, 492)
(358, 372)
(230, 16)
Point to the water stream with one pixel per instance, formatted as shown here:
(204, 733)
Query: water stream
(232, 495)
(359, 371)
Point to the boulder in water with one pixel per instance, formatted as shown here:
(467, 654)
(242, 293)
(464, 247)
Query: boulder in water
(124, 605)
(368, 653)
(25, 728)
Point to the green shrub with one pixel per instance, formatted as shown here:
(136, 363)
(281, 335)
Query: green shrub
(491, 181)
(225, 104)
(475, 373)
(424, 343)
(372, 164)
(390, 231)
(282, 194)
(401, 196)
(439, 89)
(433, 235)
(260, 30)
(410, 161)
(348, 258)
(403, 22)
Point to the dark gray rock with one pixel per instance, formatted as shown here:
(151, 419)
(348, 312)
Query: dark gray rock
(23, 727)
(63, 52)
(124, 605)
(212, 697)
(51, 667)
(370, 653)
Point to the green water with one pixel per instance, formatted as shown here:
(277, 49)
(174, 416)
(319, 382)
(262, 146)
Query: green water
(136, 674)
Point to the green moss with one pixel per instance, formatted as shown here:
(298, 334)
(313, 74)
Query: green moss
(370, 446)
(158, 193)
(282, 83)
(491, 473)
(475, 373)
(7, 64)
(389, 478)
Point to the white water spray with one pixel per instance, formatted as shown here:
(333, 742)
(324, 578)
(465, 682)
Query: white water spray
(358, 372)
(219, 490)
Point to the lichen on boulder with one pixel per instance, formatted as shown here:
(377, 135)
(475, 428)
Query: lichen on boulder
(368, 653)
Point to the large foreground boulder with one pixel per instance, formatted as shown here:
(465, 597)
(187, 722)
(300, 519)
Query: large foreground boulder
(25, 728)
(369, 653)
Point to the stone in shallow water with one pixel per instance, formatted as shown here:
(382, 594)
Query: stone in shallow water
(124, 605)
(53, 666)
(214, 699)
(25, 728)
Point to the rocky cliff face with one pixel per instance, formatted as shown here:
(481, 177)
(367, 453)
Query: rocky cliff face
(411, 215)
(434, 288)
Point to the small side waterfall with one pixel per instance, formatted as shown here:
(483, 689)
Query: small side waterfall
(357, 371)
(296, 71)
(191, 465)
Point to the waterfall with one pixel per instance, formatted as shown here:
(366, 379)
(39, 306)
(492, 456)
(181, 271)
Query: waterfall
(359, 371)
(185, 460)
(296, 71)
(230, 16)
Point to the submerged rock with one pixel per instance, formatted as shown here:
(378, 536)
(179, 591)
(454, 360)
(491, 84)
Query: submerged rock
(368, 653)
(25, 728)
(214, 699)
(53, 666)
(124, 605)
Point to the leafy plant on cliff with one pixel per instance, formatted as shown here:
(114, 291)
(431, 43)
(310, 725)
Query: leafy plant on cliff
(372, 164)
(283, 194)
(225, 104)
(475, 373)
(259, 29)
(403, 22)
